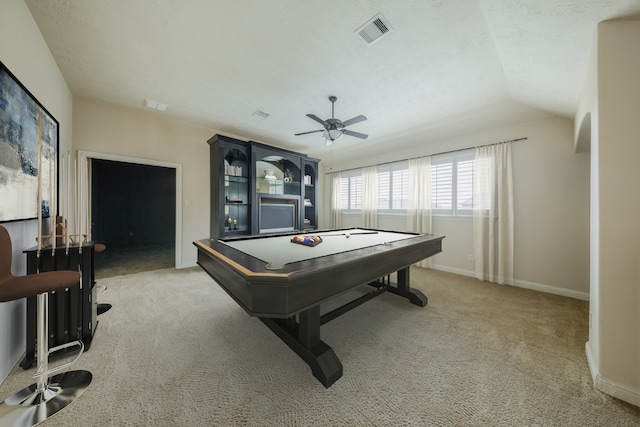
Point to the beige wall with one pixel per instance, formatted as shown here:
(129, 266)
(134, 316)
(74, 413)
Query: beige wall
(24, 52)
(588, 104)
(105, 128)
(551, 185)
(551, 182)
(616, 152)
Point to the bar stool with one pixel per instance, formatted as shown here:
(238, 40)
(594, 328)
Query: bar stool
(39, 401)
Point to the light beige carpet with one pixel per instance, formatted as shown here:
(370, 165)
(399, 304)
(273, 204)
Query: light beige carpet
(176, 350)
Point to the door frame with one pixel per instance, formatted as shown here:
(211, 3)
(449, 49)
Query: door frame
(85, 181)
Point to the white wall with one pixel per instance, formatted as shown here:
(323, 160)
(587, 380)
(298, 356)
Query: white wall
(551, 206)
(25, 53)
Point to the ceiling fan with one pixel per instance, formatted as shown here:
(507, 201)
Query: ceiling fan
(334, 128)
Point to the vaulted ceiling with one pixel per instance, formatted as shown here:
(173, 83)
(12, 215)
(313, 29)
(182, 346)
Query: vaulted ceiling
(455, 66)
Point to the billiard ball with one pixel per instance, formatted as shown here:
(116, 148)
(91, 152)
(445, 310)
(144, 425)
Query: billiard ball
(347, 235)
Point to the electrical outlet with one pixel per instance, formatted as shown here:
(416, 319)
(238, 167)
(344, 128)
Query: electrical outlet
(470, 257)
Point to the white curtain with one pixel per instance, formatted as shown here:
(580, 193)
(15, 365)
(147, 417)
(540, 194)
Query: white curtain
(419, 209)
(493, 214)
(336, 212)
(369, 209)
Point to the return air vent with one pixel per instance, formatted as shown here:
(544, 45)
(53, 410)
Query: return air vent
(374, 30)
(155, 105)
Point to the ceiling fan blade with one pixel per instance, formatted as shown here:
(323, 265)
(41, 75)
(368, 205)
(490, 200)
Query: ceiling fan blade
(356, 134)
(354, 120)
(313, 131)
(317, 119)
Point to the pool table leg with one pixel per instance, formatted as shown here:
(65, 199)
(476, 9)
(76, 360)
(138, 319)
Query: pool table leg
(305, 341)
(404, 289)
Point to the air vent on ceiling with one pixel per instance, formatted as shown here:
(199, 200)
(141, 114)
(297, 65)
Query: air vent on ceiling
(155, 105)
(374, 30)
(260, 114)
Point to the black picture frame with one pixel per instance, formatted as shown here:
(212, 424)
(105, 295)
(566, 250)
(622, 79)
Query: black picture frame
(29, 142)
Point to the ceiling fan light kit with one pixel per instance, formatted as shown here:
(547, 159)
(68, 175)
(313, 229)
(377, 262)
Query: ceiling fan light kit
(335, 128)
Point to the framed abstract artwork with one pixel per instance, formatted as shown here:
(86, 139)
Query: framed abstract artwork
(28, 152)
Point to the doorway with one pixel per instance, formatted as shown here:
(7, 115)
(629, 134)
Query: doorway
(134, 211)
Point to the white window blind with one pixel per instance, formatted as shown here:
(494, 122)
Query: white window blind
(441, 186)
(464, 185)
(384, 190)
(452, 183)
(351, 192)
(400, 180)
(344, 193)
(452, 187)
(393, 187)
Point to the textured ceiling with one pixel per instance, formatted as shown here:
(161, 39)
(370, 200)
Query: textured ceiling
(450, 65)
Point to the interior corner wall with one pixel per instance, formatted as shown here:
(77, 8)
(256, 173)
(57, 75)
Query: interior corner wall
(551, 207)
(105, 128)
(25, 53)
(588, 105)
(619, 209)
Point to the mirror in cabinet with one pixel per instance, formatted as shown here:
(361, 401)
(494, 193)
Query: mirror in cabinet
(277, 172)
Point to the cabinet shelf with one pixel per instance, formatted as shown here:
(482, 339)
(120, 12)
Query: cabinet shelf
(236, 178)
(276, 186)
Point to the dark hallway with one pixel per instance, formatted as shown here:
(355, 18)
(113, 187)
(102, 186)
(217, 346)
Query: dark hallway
(133, 213)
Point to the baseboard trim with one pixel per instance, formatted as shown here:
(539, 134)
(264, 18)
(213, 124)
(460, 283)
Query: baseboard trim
(612, 388)
(453, 270)
(584, 296)
(591, 361)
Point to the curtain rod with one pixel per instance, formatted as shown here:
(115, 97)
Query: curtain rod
(437, 154)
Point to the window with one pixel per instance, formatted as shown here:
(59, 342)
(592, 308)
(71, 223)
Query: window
(350, 191)
(393, 187)
(452, 183)
(451, 186)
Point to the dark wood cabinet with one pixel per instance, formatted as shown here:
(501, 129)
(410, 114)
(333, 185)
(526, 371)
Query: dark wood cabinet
(72, 312)
(260, 189)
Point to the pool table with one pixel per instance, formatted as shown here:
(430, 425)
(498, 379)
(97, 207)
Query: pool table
(285, 284)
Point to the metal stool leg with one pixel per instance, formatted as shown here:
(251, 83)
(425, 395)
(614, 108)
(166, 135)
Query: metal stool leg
(39, 401)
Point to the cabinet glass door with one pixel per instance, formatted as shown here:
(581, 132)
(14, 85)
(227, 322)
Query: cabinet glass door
(310, 220)
(236, 192)
(277, 174)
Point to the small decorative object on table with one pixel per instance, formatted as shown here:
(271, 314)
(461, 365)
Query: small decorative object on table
(307, 240)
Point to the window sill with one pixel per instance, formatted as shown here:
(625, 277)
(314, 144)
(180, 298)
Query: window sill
(452, 218)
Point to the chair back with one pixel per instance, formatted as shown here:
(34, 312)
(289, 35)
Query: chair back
(6, 253)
